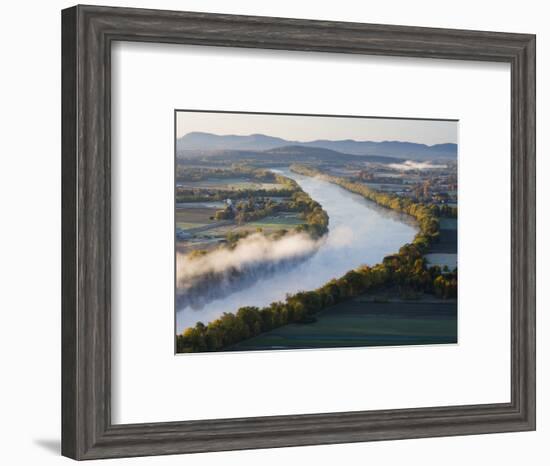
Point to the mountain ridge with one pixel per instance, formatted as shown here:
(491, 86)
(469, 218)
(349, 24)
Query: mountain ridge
(207, 142)
(284, 154)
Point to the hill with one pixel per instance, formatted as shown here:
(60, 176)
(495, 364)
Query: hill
(208, 144)
(285, 154)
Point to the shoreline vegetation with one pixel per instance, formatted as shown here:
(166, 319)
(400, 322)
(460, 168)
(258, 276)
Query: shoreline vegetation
(406, 270)
(245, 205)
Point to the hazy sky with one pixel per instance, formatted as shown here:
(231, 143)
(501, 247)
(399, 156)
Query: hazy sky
(308, 128)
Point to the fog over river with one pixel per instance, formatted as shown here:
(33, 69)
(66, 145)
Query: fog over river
(360, 232)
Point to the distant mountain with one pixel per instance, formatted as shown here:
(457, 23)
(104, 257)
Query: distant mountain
(321, 153)
(208, 141)
(207, 144)
(399, 149)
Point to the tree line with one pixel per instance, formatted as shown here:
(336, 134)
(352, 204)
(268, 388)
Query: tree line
(204, 194)
(406, 268)
(185, 173)
(385, 199)
(208, 195)
(315, 218)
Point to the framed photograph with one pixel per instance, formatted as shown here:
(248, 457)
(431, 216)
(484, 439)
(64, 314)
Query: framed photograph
(264, 220)
(303, 240)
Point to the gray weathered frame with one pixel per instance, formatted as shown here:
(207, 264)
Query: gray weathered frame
(87, 34)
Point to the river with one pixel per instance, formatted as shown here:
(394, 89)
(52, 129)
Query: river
(360, 232)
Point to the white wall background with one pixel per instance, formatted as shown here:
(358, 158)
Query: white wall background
(30, 232)
(477, 370)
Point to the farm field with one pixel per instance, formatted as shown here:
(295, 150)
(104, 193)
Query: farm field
(209, 238)
(442, 259)
(448, 239)
(448, 223)
(273, 223)
(385, 187)
(205, 243)
(200, 205)
(194, 217)
(363, 323)
(229, 183)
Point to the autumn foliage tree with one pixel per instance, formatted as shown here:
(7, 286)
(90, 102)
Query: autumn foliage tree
(407, 268)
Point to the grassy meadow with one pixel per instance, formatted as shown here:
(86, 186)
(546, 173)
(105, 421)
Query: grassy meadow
(365, 323)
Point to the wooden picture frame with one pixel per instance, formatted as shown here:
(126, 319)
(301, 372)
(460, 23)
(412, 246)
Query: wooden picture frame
(87, 34)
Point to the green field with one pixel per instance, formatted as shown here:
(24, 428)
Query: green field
(448, 239)
(360, 323)
(278, 222)
(188, 218)
(387, 187)
(192, 217)
(442, 259)
(448, 223)
(230, 183)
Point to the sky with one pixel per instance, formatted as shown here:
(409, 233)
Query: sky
(308, 128)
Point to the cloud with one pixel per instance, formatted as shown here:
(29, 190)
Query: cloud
(249, 253)
(410, 165)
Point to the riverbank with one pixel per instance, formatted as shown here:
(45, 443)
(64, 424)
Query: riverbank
(360, 233)
(246, 253)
